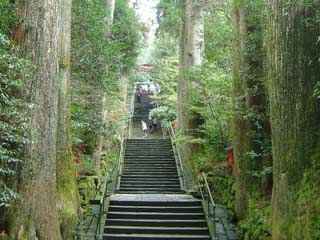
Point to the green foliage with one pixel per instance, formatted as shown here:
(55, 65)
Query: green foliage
(257, 225)
(222, 185)
(218, 36)
(164, 114)
(86, 167)
(7, 17)
(90, 47)
(212, 95)
(167, 76)
(213, 102)
(101, 54)
(306, 221)
(13, 118)
(212, 98)
(316, 92)
(86, 123)
(126, 37)
(7, 196)
(166, 46)
(169, 17)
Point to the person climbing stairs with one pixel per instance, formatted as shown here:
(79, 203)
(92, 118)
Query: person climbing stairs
(141, 113)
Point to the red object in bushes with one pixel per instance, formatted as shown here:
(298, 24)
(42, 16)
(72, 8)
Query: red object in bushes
(77, 151)
(231, 161)
(78, 158)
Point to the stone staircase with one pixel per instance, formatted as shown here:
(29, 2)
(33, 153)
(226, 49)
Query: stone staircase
(141, 112)
(157, 216)
(150, 203)
(149, 167)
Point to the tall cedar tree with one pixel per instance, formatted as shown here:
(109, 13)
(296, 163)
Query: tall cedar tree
(295, 113)
(44, 34)
(191, 50)
(250, 125)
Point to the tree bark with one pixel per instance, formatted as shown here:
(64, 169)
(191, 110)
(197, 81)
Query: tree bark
(191, 51)
(295, 114)
(68, 203)
(100, 137)
(249, 97)
(110, 9)
(131, 3)
(37, 214)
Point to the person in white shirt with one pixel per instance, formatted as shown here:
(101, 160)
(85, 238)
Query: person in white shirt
(144, 129)
(152, 87)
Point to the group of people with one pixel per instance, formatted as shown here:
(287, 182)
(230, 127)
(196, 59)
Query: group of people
(151, 87)
(152, 124)
(154, 87)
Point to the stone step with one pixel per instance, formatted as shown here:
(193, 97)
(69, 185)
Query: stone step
(154, 183)
(149, 168)
(150, 188)
(150, 192)
(148, 176)
(171, 216)
(156, 230)
(160, 202)
(149, 150)
(153, 237)
(150, 160)
(172, 209)
(149, 157)
(147, 173)
(146, 154)
(156, 222)
(149, 164)
(148, 181)
(124, 186)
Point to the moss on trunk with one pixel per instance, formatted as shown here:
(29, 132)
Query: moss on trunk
(250, 131)
(295, 114)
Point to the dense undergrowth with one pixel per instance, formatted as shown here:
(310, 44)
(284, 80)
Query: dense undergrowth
(13, 116)
(100, 57)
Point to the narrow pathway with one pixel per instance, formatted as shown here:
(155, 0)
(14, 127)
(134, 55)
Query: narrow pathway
(141, 112)
(150, 203)
(155, 216)
(149, 167)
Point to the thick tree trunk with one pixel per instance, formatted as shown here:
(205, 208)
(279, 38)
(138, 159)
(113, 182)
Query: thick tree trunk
(295, 114)
(66, 184)
(191, 50)
(248, 91)
(131, 3)
(110, 7)
(37, 214)
(100, 137)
